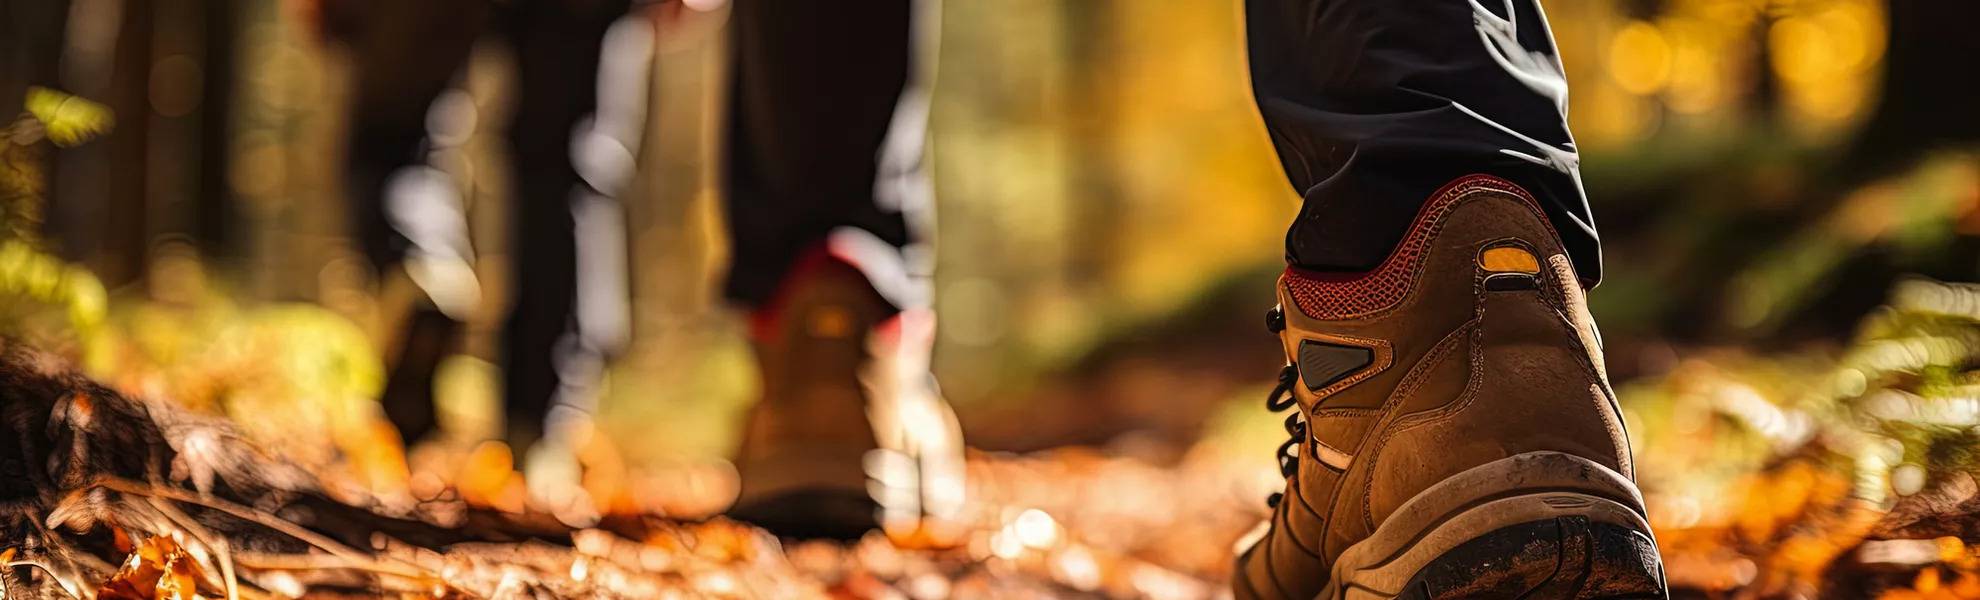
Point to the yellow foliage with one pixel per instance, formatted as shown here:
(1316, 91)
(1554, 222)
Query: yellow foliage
(298, 379)
(68, 119)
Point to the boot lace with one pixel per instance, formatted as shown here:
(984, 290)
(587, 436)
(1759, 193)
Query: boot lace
(1282, 399)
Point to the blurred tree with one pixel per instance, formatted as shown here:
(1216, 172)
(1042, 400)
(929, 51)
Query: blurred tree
(1780, 227)
(1928, 94)
(96, 210)
(1922, 108)
(30, 41)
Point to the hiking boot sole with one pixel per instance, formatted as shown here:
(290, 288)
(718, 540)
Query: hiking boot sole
(812, 514)
(1539, 526)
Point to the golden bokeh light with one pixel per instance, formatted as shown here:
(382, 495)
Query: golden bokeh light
(1640, 58)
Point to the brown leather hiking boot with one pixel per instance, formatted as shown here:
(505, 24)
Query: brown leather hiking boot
(850, 436)
(1455, 434)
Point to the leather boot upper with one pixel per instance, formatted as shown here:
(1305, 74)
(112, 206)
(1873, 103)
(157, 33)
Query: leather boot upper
(1470, 344)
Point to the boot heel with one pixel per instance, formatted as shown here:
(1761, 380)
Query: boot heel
(1564, 558)
(1539, 526)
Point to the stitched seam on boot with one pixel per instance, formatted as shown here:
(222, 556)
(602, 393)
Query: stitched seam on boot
(1565, 288)
(1411, 421)
(1434, 218)
(1562, 276)
(1418, 373)
(1606, 403)
(1612, 420)
(1400, 423)
(1569, 291)
(1345, 412)
(1393, 424)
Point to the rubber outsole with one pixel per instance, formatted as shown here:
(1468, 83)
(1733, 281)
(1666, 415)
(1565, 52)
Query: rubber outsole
(809, 514)
(1542, 525)
(1566, 558)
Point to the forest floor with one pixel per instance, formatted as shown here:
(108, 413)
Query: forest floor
(1839, 473)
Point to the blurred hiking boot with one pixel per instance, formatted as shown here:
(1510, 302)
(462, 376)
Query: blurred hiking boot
(850, 434)
(1454, 434)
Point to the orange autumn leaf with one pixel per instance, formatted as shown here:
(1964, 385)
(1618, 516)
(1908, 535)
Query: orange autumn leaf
(158, 570)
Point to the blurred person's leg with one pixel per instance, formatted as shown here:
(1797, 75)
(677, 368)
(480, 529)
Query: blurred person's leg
(403, 54)
(558, 47)
(815, 88)
(826, 200)
(1454, 433)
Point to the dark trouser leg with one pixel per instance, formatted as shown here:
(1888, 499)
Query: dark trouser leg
(557, 47)
(1375, 104)
(403, 55)
(825, 198)
(816, 86)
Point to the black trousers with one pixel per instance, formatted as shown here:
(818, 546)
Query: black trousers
(1375, 104)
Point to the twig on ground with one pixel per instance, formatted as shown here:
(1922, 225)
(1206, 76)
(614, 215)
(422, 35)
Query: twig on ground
(60, 547)
(205, 538)
(273, 522)
(68, 587)
(266, 561)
